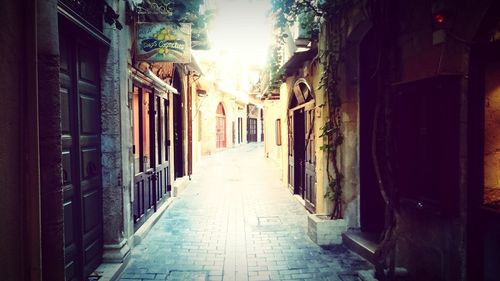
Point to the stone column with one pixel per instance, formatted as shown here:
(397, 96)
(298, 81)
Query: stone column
(116, 249)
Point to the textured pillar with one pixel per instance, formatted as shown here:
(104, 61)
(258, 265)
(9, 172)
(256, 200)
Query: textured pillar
(115, 246)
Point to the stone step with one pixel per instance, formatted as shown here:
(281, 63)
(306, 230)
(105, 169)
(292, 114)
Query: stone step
(363, 244)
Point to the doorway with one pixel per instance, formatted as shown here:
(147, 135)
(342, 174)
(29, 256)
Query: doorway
(81, 152)
(220, 127)
(251, 129)
(150, 148)
(372, 206)
(301, 146)
(178, 128)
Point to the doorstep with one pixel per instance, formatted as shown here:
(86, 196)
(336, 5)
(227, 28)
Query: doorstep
(179, 185)
(362, 243)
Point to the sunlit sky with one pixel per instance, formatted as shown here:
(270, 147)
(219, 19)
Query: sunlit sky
(240, 35)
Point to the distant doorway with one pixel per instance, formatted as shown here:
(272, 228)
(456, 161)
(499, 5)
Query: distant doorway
(220, 127)
(240, 129)
(251, 129)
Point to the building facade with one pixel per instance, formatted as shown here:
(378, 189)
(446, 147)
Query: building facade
(417, 103)
(104, 138)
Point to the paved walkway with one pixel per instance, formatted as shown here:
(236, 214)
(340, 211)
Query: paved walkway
(236, 221)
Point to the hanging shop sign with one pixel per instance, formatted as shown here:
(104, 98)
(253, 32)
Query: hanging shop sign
(166, 42)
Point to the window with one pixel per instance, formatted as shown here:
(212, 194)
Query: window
(278, 132)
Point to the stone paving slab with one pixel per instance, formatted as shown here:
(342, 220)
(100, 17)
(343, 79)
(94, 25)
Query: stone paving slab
(237, 221)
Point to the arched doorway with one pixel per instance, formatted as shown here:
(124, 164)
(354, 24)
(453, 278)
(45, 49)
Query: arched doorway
(301, 155)
(220, 126)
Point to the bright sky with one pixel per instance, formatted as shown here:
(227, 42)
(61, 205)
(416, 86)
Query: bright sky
(240, 35)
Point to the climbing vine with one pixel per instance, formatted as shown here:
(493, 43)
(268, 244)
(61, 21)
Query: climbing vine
(332, 17)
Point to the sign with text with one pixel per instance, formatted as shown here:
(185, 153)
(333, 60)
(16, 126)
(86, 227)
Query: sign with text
(164, 42)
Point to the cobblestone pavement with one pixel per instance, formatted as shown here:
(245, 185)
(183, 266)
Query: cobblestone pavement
(236, 221)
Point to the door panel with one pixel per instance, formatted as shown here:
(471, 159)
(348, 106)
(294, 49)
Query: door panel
(162, 167)
(80, 121)
(151, 165)
(291, 159)
(144, 153)
(299, 151)
(90, 160)
(310, 160)
(221, 132)
(178, 137)
(252, 130)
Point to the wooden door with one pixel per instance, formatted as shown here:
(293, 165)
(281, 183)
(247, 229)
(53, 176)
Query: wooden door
(162, 168)
(299, 151)
(371, 203)
(220, 127)
(252, 129)
(81, 155)
(240, 129)
(143, 149)
(291, 160)
(178, 136)
(309, 160)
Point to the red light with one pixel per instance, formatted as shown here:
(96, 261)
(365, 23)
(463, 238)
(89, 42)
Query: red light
(439, 18)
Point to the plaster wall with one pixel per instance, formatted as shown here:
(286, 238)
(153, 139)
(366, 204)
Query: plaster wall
(271, 114)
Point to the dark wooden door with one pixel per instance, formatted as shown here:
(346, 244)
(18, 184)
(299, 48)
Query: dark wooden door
(310, 159)
(252, 129)
(144, 156)
(299, 151)
(143, 197)
(240, 129)
(291, 159)
(372, 206)
(151, 157)
(178, 138)
(81, 155)
(162, 168)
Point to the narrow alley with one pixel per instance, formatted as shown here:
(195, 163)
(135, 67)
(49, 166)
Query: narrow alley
(236, 221)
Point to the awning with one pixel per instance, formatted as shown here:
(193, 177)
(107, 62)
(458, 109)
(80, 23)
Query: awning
(297, 61)
(160, 83)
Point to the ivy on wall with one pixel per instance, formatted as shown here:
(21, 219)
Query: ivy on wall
(332, 17)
